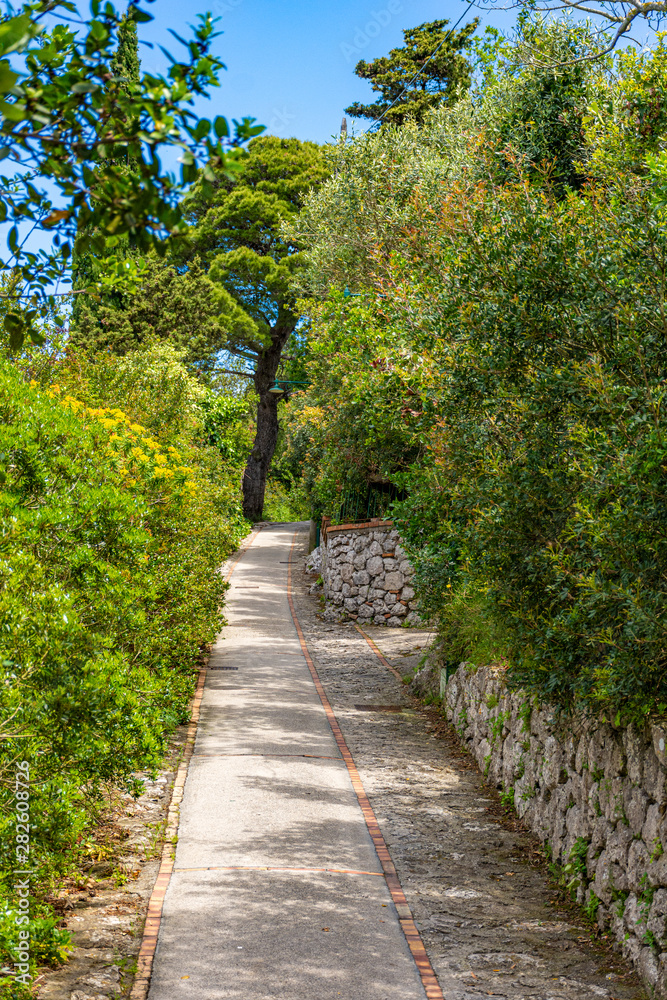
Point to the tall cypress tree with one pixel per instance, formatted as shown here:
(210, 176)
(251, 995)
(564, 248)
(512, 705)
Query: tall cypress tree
(125, 63)
(126, 67)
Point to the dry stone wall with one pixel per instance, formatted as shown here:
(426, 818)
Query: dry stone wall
(368, 576)
(594, 793)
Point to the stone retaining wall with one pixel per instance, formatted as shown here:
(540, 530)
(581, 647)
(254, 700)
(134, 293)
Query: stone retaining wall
(594, 793)
(367, 575)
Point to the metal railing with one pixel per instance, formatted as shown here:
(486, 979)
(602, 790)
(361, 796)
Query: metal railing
(364, 505)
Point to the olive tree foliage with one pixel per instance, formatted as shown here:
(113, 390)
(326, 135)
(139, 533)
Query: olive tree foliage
(528, 118)
(504, 364)
(67, 118)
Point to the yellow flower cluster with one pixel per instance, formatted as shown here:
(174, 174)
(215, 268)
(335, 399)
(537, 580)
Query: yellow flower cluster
(140, 455)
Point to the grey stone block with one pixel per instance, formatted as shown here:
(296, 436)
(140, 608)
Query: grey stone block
(375, 566)
(576, 823)
(657, 872)
(634, 745)
(553, 765)
(600, 833)
(659, 905)
(581, 756)
(637, 865)
(611, 799)
(651, 827)
(654, 776)
(659, 740)
(393, 581)
(648, 966)
(618, 844)
(632, 916)
(635, 803)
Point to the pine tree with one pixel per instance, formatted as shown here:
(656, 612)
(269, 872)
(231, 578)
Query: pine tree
(412, 79)
(238, 232)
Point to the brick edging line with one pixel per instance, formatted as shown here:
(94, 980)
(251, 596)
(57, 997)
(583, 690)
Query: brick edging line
(383, 660)
(369, 525)
(405, 918)
(146, 955)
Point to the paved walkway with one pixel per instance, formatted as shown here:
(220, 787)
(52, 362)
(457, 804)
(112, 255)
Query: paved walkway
(277, 889)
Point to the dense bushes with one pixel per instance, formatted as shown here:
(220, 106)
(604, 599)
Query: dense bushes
(112, 532)
(547, 475)
(505, 365)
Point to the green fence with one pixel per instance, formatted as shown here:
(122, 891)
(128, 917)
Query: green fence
(362, 505)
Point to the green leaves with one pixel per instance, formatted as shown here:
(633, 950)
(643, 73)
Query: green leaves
(84, 87)
(14, 326)
(202, 130)
(78, 115)
(503, 361)
(430, 69)
(17, 31)
(221, 127)
(108, 586)
(7, 76)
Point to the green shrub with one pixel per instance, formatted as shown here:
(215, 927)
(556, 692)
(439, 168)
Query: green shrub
(502, 364)
(11, 990)
(285, 503)
(507, 798)
(110, 541)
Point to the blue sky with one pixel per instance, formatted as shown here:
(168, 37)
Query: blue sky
(290, 63)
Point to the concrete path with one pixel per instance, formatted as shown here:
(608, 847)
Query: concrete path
(277, 890)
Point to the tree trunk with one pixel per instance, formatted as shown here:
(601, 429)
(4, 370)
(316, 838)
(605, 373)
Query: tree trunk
(266, 437)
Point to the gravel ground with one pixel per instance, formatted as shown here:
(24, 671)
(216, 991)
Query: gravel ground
(491, 920)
